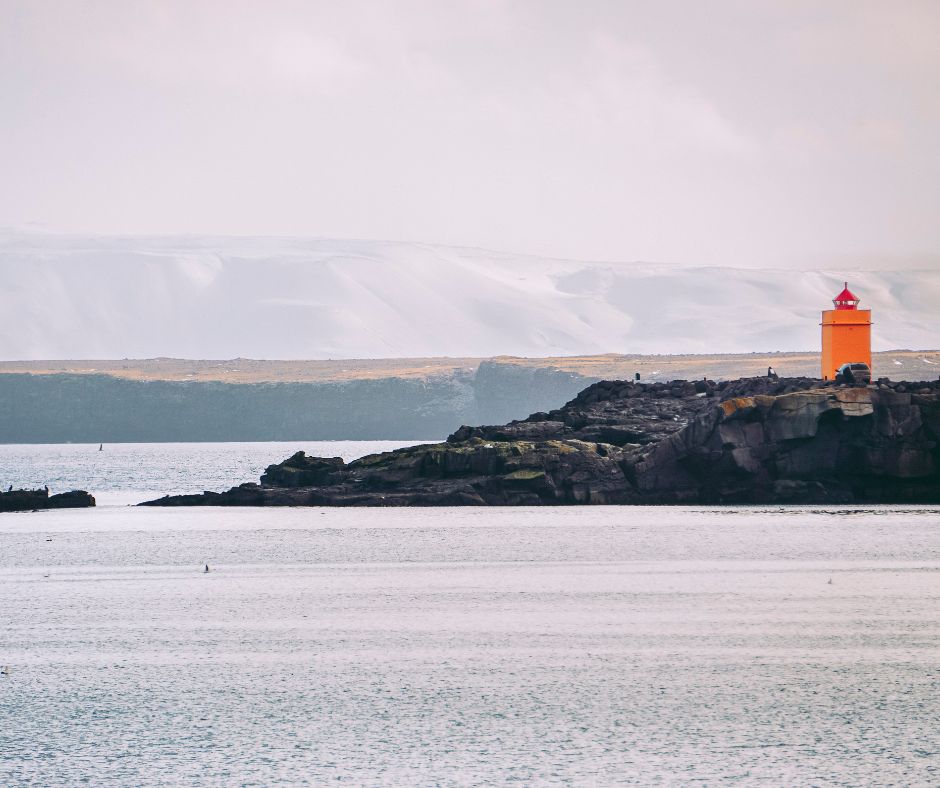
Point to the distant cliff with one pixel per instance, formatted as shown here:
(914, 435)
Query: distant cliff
(756, 440)
(93, 408)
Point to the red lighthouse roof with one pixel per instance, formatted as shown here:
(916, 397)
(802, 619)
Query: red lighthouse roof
(846, 299)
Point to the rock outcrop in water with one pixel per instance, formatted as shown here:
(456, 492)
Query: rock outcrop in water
(757, 440)
(28, 500)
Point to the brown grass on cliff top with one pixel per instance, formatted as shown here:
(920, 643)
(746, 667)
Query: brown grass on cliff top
(896, 364)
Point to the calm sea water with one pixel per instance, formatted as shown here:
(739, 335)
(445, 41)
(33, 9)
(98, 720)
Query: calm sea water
(464, 646)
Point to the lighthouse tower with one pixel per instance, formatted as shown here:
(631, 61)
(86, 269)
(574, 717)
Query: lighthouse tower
(846, 334)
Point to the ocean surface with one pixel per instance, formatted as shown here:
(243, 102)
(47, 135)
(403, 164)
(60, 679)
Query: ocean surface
(580, 646)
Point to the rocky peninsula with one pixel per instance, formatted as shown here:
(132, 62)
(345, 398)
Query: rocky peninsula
(748, 441)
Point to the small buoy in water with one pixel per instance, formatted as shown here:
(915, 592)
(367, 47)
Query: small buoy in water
(206, 569)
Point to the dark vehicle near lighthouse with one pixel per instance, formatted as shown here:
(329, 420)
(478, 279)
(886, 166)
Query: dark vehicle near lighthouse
(855, 373)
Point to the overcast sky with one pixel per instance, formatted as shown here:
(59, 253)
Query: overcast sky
(736, 133)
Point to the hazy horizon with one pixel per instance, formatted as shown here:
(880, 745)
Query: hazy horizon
(75, 241)
(216, 297)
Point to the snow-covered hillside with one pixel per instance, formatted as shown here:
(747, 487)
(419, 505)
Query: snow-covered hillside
(115, 297)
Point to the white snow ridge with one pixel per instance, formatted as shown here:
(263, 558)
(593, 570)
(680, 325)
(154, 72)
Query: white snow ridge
(195, 297)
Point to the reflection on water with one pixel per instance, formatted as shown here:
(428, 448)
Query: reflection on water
(434, 646)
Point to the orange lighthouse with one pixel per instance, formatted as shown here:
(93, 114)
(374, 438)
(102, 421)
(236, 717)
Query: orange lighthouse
(846, 334)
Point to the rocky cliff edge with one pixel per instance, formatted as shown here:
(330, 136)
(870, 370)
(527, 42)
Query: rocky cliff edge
(756, 440)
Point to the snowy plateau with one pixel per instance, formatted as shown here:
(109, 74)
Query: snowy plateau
(287, 298)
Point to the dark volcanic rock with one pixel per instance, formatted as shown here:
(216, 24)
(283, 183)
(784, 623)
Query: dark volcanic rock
(27, 500)
(758, 440)
(302, 471)
(248, 494)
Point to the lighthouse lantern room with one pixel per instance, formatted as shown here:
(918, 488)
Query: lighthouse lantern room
(846, 334)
